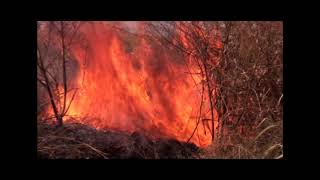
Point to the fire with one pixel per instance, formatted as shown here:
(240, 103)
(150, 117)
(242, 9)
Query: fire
(143, 89)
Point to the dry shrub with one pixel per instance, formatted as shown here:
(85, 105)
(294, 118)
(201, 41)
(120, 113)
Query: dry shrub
(250, 87)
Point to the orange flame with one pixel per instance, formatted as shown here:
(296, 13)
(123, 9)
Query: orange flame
(145, 90)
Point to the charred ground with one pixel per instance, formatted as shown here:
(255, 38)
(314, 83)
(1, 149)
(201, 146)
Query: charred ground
(78, 141)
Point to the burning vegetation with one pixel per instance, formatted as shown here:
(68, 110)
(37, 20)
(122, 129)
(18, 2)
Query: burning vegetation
(159, 89)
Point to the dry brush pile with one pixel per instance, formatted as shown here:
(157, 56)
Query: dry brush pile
(79, 141)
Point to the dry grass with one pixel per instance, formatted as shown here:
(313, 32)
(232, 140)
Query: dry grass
(266, 144)
(77, 141)
(56, 143)
(251, 84)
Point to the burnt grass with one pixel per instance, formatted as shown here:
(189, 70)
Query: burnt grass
(78, 141)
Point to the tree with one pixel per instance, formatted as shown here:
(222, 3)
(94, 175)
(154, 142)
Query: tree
(54, 43)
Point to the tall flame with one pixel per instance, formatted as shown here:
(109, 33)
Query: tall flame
(145, 89)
